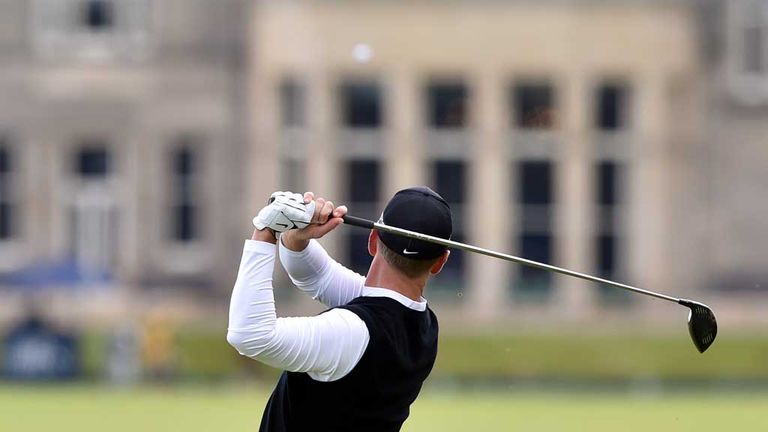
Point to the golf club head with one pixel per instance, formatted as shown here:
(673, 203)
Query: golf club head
(701, 324)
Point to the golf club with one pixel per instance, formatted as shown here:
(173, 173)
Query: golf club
(701, 320)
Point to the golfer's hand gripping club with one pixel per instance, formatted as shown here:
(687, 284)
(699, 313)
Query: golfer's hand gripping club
(285, 211)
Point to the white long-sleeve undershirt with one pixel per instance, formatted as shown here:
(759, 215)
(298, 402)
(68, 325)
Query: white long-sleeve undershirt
(327, 346)
(314, 272)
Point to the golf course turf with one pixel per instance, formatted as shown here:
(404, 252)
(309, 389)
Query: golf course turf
(226, 408)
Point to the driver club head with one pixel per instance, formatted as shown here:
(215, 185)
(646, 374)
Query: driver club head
(702, 324)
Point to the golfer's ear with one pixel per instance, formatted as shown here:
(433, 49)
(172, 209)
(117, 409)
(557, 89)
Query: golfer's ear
(437, 266)
(373, 239)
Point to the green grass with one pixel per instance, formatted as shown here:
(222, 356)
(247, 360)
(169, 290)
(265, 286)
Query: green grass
(569, 356)
(604, 357)
(191, 409)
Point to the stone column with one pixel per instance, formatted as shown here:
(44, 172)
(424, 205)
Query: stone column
(34, 183)
(404, 164)
(489, 207)
(132, 204)
(322, 160)
(648, 187)
(263, 153)
(575, 203)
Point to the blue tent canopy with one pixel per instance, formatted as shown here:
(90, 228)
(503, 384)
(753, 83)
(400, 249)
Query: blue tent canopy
(53, 274)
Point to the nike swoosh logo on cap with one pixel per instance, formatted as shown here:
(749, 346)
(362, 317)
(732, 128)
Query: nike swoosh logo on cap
(407, 252)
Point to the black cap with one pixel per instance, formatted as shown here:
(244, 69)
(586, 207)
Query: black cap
(417, 209)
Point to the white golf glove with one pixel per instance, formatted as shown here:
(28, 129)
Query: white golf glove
(285, 211)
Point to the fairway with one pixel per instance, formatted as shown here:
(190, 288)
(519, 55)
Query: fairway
(191, 409)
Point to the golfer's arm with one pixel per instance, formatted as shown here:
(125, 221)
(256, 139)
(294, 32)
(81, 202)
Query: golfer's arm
(327, 346)
(314, 272)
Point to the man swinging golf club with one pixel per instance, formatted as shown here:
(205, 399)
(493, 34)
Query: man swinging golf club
(359, 365)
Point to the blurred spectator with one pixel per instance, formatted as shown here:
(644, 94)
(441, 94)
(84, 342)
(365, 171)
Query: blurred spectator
(158, 349)
(123, 366)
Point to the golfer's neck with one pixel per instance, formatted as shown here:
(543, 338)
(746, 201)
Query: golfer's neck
(383, 276)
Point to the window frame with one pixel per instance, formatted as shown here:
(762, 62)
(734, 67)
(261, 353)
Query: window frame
(93, 145)
(92, 11)
(622, 118)
(434, 117)
(9, 229)
(377, 172)
(185, 190)
(746, 87)
(350, 118)
(534, 285)
(292, 97)
(454, 275)
(607, 237)
(356, 247)
(548, 98)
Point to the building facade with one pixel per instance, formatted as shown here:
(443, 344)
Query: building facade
(732, 170)
(556, 130)
(120, 136)
(622, 139)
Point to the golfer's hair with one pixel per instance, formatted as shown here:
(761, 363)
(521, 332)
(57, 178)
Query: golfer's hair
(410, 267)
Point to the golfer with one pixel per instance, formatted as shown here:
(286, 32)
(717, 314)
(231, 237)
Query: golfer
(359, 365)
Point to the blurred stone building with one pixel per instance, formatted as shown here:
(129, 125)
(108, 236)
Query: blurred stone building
(120, 141)
(557, 130)
(733, 163)
(619, 138)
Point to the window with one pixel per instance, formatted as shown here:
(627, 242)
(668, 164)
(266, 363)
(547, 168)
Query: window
(535, 240)
(751, 41)
(93, 161)
(185, 210)
(451, 183)
(535, 182)
(606, 255)
(7, 207)
(450, 180)
(754, 50)
(363, 178)
(533, 106)
(93, 30)
(363, 192)
(361, 105)
(5, 160)
(608, 196)
(451, 281)
(607, 183)
(611, 107)
(447, 105)
(292, 104)
(536, 247)
(357, 247)
(98, 15)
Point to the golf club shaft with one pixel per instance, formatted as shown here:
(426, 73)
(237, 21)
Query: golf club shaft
(365, 223)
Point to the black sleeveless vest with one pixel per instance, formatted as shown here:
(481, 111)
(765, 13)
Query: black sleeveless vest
(376, 395)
